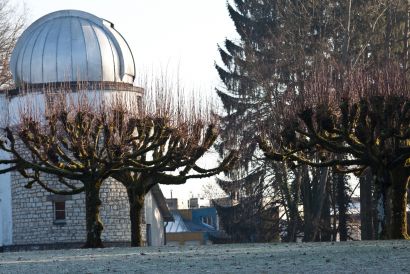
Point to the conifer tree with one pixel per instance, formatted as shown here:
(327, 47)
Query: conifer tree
(280, 44)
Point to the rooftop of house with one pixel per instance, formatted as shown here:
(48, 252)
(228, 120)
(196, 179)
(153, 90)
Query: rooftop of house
(193, 220)
(162, 204)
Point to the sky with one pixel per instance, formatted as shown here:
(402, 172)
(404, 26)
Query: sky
(176, 36)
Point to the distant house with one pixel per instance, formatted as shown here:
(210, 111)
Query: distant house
(195, 226)
(157, 215)
(172, 203)
(198, 203)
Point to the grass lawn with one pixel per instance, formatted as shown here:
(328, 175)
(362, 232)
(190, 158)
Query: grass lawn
(348, 257)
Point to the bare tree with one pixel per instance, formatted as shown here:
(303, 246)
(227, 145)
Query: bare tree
(75, 141)
(366, 119)
(84, 143)
(188, 132)
(211, 191)
(11, 26)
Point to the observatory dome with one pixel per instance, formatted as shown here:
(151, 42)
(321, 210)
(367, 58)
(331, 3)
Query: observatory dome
(71, 46)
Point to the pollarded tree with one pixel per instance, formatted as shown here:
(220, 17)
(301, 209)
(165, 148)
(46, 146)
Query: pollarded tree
(88, 143)
(185, 144)
(189, 132)
(73, 141)
(367, 120)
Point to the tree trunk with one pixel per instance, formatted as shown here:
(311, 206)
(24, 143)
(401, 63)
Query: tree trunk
(326, 225)
(398, 225)
(366, 207)
(93, 220)
(382, 208)
(335, 230)
(136, 200)
(293, 207)
(320, 196)
(342, 202)
(307, 206)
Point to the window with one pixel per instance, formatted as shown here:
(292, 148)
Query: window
(59, 208)
(207, 220)
(59, 211)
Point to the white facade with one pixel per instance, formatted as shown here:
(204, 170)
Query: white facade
(6, 228)
(6, 224)
(154, 222)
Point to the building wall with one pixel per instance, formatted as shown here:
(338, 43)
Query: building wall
(154, 220)
(34, 220)
(172, 203)
(6, 226)
(187, 238)
(27, 215)
(198, 203)
(33, 215)
(36, 100)
(5, 182)
(115, 212)
(206, 212)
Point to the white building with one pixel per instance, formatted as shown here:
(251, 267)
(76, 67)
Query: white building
(71, 49)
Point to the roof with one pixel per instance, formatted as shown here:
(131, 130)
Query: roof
(162, 204)
(178, 225)
(71, 46)
(190, 220)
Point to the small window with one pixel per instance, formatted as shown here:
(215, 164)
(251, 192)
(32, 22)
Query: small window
(207, 220)
(59, 210)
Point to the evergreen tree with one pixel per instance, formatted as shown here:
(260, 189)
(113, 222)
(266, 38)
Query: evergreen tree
(281, 42)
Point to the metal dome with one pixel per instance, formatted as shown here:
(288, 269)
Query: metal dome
(71, 46)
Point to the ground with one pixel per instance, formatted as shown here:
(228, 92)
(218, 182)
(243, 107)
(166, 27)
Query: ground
(350, 257)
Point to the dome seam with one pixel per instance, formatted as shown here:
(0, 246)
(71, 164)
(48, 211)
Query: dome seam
(113, 59)
(22, 59)
(34, 46)
(99, 48)
(57, 45)
(71, 51)
(85, 46)
(44, 29)
(42, 54)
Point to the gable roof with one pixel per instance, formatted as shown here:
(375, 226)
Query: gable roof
(162, 204)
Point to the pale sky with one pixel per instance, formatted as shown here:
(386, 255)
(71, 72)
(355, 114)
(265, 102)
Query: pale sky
(171, 35)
